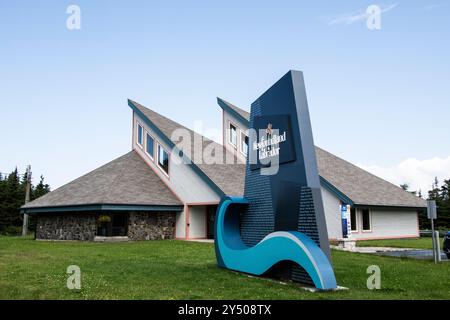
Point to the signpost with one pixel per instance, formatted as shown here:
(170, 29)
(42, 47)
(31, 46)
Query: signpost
(432, 214)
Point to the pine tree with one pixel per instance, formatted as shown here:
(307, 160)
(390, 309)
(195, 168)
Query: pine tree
(12, 197)
(443, 220)
(40, 190)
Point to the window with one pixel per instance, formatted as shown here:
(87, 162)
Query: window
(149, 145)
(244, 143)
(353, 222)
(139, 135)
(233, 135)
(366, 220)
(163, 159)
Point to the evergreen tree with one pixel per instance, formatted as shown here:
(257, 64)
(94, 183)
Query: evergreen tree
(404, 186)
(41, 189)
(12, 197)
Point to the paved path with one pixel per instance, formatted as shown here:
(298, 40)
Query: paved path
(415, 254)
(399, 252)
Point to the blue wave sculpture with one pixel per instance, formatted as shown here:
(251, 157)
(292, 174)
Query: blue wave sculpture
(278, 246)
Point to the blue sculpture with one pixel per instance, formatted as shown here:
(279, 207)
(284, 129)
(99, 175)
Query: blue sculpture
(281, 217)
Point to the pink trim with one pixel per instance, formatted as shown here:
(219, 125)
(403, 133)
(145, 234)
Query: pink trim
(223, 127)
(418, 224)
(206, 222)
(186, 232)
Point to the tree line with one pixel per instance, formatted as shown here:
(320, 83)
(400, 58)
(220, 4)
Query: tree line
(12, 197)
(440, 194)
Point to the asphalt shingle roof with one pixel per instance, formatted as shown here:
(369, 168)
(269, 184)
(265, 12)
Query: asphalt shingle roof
(228, 177)
(125, 180)
(362, 187)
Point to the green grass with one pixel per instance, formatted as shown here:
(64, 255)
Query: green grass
(172, 269)
(420, 243)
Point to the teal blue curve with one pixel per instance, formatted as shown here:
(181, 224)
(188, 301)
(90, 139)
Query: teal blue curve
(278, 246)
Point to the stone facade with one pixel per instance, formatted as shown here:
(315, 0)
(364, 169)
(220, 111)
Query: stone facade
(83, 226)
(151, 225)
(66, 227)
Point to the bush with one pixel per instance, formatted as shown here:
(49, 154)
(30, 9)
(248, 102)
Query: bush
(11, 231)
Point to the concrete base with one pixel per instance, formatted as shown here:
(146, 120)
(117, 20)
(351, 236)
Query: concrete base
(313, 289)
(111, 239)
(346, 244)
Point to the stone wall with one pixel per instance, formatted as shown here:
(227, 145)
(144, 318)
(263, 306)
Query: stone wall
(151, 225)
(76, 226)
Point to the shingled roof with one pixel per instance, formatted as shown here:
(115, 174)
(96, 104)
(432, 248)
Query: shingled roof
(228, 177)
(127, 180)
(356, 184)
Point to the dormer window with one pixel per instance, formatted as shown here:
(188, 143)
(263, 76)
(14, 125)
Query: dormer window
(163, 159)
(244, 143)
(139, 135)
(233, 135)
(149, 146)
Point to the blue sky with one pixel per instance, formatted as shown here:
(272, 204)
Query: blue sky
(378, 98)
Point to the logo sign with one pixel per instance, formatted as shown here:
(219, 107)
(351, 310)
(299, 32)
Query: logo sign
(273, 142)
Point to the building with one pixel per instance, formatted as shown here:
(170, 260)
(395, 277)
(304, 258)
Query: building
(169, 186)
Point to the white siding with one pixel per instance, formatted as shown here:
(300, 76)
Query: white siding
(332, 209)
(240, 126)
(389, 223)
(180, 225)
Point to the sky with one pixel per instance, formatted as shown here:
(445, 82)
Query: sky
(379, 98)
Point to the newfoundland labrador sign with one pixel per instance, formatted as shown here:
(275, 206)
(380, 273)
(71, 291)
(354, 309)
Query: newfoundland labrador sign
(273, 143)
(278, 228)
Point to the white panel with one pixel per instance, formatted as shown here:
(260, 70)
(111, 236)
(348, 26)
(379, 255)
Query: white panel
(180, 225)
(389, 224)
(197, 221)
(331, 206)
(240, 126)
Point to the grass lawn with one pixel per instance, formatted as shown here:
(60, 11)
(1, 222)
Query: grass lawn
(420, 243)
(172, 269)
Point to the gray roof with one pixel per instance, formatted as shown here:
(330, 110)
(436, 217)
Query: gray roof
(362, 187)
(228, 177)
(127, 180)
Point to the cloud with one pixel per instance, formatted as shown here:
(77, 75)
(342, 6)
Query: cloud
(418, 174)
(356, 16)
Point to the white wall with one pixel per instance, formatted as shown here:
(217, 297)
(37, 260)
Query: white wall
(388, 223)
(240, 126)
(332, 209)
(180, 225)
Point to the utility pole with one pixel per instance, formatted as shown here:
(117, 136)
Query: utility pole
(27, 199)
